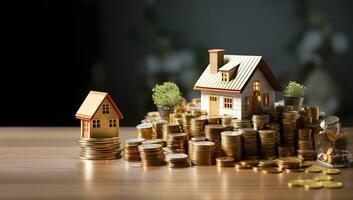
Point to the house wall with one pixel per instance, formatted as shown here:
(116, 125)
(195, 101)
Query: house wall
(265, 87)
(104, 130)
(235, 111)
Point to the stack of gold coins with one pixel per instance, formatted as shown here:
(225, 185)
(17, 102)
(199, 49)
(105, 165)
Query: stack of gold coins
(177, 142)
(288, 162)
(267, 140)
(213, 133)
(177, 160)
(194, 139)
(286, 151)
(131, 152)
(277, 128)
(231, 144)
(145, 131)
(151, 154)
(275, 116)
(241, 123)
(227, 120)
(170, 128)
(203, 153)
(158, 128)
(214, 119)
(187, 123)
(249, 136)
(225, 161)
(315, 113)
(155, 141)
(260, 121)
(289, 121)
(100, 148)
(305, 144)
(197, 126)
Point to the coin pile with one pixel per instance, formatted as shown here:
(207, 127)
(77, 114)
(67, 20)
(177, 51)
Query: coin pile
(305, 144)
(267, 140)
(151, 154)
(100, 148)
(213, 133)
(289, 121)
(197, 126)
(203, 153)
(187, 123)
(227, 120)
(249, 136)
(158, 128)
(277, 128)
(214, 119)
(194, 139)
(145, 131)
(170, 128)
(131, 152)
(260, 121)
(286, 151)
(177, 160)
(231, 144)
(225, 161)
(288, 162)
(241, 123)
(177, 142)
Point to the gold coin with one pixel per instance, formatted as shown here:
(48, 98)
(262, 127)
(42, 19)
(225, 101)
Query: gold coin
(331, 171)
(306, 164)
(333, 184)
(313, 169)
(323, 178)
(272, 170)
(295, 183)
(313, 185)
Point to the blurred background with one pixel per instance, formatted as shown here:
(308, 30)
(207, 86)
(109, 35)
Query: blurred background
(126, 47)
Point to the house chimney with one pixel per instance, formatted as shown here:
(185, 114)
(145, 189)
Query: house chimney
(216, 59)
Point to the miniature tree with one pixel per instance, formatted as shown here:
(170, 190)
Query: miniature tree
(165, 97)
(294, 89)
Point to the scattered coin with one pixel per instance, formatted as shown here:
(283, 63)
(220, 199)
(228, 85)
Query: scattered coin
(332, 171)
(313, 169)
(323, 178)
(332, 184)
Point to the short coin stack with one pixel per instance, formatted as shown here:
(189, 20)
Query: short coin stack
(249, 136)
(145, 131)
(187, 123)
(197, 126)
(158, 128)
(288, 162)
(267, 138)
(305, 144)
(177, 142)
(190, 143)
(131, 152)
(151, 154)
(241, 123)
(225, 162)
(213, 133)
(100, 148)
(289, 121)
(203, 153)
(231, 144)
(177, 160)
(260, 121)
(170, 128)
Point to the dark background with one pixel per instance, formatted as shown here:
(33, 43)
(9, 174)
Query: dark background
(126, 47)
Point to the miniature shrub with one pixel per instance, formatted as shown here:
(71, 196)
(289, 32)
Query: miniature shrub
(294, 89)
(167, 94)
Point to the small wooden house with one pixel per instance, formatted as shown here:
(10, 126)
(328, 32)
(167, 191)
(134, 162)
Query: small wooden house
(237, 85)
(99, 116)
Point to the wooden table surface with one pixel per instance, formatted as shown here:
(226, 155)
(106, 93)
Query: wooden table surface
(43, 163)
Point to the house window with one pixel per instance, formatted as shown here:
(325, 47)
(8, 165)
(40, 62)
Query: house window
(228, 103)
(105, 108)
(224, 77)
(256, 87)
(212, 98)
(96, 123)
(266, 99)
(112, 123)
(247, 102)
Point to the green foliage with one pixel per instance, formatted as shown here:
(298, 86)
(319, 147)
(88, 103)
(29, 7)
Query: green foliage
(167, 94)
(294, 89)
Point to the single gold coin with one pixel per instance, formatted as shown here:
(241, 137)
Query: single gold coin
(332, 184)
(313, 185)
(295, 183)
(332, 171)
(323, 178)
(306, 164)
(313, 169)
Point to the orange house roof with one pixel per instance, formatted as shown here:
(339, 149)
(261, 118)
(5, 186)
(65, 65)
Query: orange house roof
(91, 104)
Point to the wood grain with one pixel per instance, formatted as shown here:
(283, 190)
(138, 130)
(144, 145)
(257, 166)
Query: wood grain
(42, 163)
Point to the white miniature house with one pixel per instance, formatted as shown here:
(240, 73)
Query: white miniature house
(237, 85)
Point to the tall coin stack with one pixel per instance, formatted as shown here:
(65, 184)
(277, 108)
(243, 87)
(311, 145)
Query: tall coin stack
(177, 160)
(305, 144)
(100, 148)
(213, 133)
(227, 120)
(260, 121)
(145, 131)
(268, 148)
(214, 119)
(241, 123)
(131, 152)
(249, 136)
(187, 123)
(177, 142)
(151, 154)
(170, 128)
(197, 127)
(231, 144)
(289, 122)
(203, 153)
(158, 128)
(190, 143)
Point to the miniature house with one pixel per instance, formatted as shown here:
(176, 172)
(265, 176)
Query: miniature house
(237, 85)
(99, 116)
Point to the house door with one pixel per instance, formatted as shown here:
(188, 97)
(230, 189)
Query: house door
(214, 105)
(85, 129)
